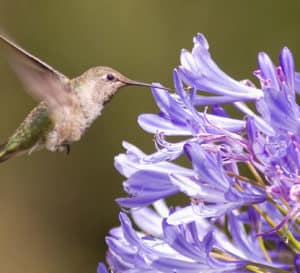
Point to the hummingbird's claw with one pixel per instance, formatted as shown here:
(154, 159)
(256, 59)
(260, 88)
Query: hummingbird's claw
(67, 148)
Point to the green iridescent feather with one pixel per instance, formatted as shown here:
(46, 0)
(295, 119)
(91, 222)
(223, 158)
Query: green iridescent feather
(33, 129)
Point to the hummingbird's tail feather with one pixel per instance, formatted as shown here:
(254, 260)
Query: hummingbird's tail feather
(3, 153)
(5, 157)
(6, 154)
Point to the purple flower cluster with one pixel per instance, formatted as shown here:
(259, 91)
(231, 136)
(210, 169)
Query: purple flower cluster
(240, 189)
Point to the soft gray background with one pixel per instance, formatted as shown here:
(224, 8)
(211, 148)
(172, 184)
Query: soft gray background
(55, 210)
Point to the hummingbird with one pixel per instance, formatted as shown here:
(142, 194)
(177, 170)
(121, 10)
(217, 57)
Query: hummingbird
(67, 107)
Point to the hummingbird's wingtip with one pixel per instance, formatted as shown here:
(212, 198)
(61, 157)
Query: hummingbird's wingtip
(6, 39)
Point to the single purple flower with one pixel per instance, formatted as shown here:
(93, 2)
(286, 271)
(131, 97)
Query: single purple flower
(199, 70)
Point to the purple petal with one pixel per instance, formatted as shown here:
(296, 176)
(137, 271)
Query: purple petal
(169, 265)
(148, 221)
(155, 124)
(261, 123)
(144, 200)
(176, 239)
(101, 268)
(268, 71)
(209, 166)
(188, 214)
(213, 100)
(129, 233)
(193, 189)
(170, 107)
(134, 160)
(297, 262)
(124, 254)
(156, 182)
(288, 66)
(297, 82)
(229, 124)
(240, 237)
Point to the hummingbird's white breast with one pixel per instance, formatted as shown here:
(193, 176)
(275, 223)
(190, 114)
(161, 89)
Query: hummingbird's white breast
(71, 121)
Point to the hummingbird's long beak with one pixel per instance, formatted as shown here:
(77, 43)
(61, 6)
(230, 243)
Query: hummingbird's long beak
(136, 83)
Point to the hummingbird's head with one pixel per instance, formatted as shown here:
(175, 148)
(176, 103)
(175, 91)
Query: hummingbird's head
(108, 81)
(110, 77)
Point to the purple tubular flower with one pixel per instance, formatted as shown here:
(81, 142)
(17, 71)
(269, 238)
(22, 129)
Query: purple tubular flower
(199, 70)
(240, 180)
(278, 106)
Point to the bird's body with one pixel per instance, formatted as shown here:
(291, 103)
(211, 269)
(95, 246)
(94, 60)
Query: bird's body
(67, 106)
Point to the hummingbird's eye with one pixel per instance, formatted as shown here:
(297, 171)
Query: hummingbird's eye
(110, 77)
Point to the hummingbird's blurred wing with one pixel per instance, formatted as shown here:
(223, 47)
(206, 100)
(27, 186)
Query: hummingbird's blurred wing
(22, 55)
(42, 81)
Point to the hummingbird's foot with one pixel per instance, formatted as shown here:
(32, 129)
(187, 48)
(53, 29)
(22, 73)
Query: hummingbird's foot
(65, 147)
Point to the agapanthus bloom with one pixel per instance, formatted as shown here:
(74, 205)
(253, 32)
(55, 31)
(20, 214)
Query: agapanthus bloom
(241, 187)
